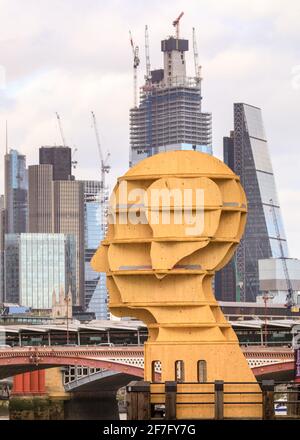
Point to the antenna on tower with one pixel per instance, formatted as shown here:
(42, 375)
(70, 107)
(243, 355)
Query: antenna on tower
(176, 24)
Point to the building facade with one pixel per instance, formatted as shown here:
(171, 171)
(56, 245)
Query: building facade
(16, 186)
(272, 279)
(57, 206)
(95, 291)
(46, 265)
(61, 160)
(2, 245)
(11, 268)
(68, 218)
(247, 152)
(40, 198)
(169, 116)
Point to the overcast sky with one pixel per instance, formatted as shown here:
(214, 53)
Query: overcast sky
(73, 56)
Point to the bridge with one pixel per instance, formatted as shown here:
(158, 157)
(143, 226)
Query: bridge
(128, 360)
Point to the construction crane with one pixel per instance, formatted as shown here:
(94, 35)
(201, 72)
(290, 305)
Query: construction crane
(147, 52)
(74, 162)
(198, 68)
(290, 300)
(105, 168)
(136, 63)
(61, 129)
(176, 24)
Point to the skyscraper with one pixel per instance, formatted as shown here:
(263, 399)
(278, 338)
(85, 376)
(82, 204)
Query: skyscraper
(68, 218)
(57, 206)
(47, 264)
(95, 283)
(16, 186)
(169, 116)
(61, 160)
(247, 152)
(40, 198)
(2, 245)
(11, 271)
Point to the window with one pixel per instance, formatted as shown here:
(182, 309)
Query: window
(156, 368)
(202, 371)
(179, 371)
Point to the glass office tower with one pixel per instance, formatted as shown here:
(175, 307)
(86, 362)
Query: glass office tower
(39, 264)
(95, 283)
(247, 152)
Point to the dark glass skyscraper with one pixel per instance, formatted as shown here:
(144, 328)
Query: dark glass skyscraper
(16, 187)
(246, 152)
(61, 160)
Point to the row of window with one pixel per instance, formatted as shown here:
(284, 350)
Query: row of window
(179, 374)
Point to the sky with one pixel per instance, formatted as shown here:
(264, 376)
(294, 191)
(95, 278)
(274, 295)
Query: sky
(74, 56)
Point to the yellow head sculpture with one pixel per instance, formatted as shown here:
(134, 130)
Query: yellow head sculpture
(175, 219)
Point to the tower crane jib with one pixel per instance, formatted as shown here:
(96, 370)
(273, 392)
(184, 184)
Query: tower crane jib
(61, 129)
(105, 167)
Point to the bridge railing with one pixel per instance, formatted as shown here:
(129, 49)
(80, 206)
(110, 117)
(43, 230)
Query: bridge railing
(212, 400)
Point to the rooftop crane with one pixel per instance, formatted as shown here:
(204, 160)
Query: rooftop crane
(136, 62)
(290, 300)
(198, 68)
(176, 24)
(147, 52)
(74, 162)
(105, 168)
(61, 129)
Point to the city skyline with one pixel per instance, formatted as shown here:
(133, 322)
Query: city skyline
(248, 54)
(149, 212)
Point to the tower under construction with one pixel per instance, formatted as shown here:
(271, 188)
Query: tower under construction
(169, 115)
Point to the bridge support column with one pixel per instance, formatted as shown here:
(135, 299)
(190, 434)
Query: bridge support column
(18, 387)
(34, 382)
(29, 383)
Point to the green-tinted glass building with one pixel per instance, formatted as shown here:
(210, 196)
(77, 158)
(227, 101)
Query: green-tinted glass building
(46, 262)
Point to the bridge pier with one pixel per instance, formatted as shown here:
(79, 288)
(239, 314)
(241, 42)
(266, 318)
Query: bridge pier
(99, 405)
